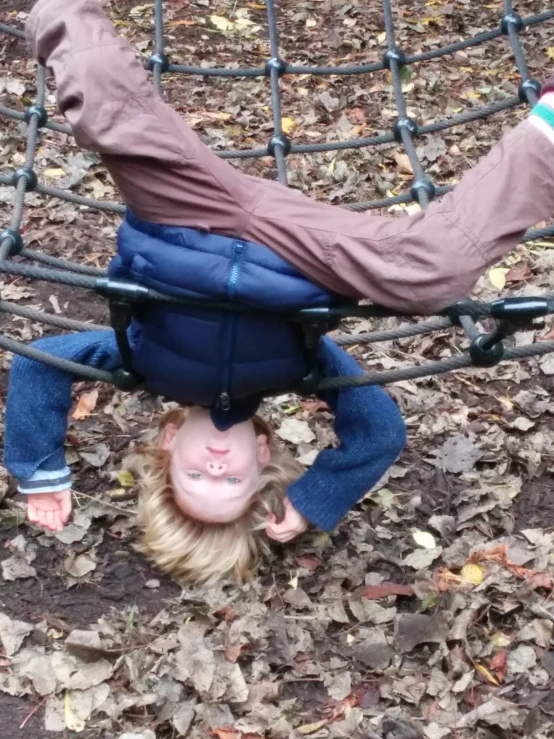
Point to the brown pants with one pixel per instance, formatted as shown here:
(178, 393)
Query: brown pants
(167, 175)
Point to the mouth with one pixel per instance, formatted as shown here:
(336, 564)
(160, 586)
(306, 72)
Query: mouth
(220, 452)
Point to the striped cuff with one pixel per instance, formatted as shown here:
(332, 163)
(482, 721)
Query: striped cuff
(46, 481)
(545, 113)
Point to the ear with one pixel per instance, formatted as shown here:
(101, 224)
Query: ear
(264, 452)
(168, 436)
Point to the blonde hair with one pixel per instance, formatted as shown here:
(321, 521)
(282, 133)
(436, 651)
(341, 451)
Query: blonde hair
(195, 551)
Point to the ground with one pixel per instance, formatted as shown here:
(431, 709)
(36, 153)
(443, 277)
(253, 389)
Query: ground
(431, 604)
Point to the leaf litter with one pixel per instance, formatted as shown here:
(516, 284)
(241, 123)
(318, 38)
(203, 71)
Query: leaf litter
(427, 614)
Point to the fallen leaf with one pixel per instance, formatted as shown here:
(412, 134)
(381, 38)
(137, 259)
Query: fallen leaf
(312, 728)
(288, 125)
(221, 23)
(403, 161)
(72, 721)
(85, 405)
(375, 592)
(424, 539)
(497, 277)
(12, 633)
(295, 431)
(309, 562)
(486, 674)
(15, 568)
(473, 574)
(498, 664)
(126, 479)
(80, 565)
(458, 454)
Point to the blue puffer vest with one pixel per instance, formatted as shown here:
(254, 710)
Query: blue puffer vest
(215, 359)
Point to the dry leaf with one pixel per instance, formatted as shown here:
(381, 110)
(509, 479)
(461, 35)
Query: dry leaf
(12, 633)
(295, 431)
(473, 574)
(375, 592)
(85, 405)
(288, 125)
(424, 539)
(497, 277)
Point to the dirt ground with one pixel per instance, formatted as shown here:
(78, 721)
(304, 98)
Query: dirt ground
(431, 603)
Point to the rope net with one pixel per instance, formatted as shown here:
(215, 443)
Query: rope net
(486, 349)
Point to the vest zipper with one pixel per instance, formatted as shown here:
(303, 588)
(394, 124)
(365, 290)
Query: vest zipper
(230, 329)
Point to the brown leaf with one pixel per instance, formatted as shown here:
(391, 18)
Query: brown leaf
(499, 554)
(310, 562)
(403, 161)
(498, 664)
(227, 613)
(85, 405)
(233, 651)
(376, 592)
(521, 273)
(229, 733)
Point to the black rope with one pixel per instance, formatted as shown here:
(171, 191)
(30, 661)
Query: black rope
(61, 271)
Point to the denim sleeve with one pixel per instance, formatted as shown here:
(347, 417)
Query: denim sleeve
(39, 400)
(371, 435)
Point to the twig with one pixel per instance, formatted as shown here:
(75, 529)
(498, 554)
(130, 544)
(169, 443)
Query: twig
(126, 511)
(35, 709)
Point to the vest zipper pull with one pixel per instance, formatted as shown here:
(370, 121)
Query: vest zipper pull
(224, 402)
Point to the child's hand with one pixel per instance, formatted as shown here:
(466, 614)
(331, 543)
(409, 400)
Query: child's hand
(292, 524)
(49, 510)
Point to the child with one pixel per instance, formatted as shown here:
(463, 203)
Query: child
(207, 477)
(205, 493)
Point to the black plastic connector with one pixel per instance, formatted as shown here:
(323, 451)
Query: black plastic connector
(426, 185)
(529, 86)
(29, 174)
(484, 353)
(130, 291)
(519, 309)
(403, 123)
(39, 112)
(16, 241)
(161, 59)
(282, 141)
(512, 19)
(126, 381)
(275, 63)
(394, 54)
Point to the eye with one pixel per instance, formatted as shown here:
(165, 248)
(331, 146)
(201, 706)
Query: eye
(194, 475)
(233, 480)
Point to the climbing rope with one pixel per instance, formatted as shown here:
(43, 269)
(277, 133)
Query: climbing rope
(486, 349)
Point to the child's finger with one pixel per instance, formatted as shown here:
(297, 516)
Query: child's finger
(32, 513)
(49, 519)
(65, 512)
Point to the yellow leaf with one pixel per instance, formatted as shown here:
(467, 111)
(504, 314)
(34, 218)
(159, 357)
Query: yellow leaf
(72, 721)
(293, 582)
(483, 670)
(126, 479)
(54, 173)
(500, 640)
(550, 52)
(350, 639)
(473, 574)
(497, 277)
(85, 405)
(288, 125)
(312, 728)
(221, 23)
(424, 539)
(321, 540)
(382, 37)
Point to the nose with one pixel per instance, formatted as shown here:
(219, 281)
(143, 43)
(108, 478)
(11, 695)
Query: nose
(216, 469)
